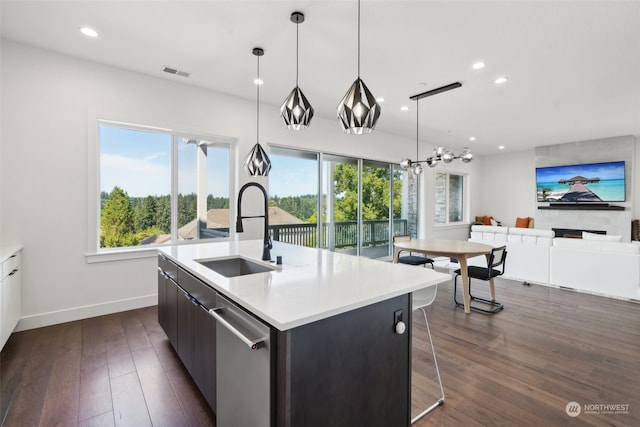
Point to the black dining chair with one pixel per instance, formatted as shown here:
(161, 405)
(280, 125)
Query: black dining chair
(495, 268)
(411, 259)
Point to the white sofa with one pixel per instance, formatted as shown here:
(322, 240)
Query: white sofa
(596, 266)
(527, 250)
(602, 267)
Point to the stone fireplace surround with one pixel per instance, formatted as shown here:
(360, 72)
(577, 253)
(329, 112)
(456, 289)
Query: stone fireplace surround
(613, 222)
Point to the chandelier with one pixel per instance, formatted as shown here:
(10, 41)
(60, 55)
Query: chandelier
(440, 153)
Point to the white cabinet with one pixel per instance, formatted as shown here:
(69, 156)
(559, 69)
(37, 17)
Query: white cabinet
(10, 295)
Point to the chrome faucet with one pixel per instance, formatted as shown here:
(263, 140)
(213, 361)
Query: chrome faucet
(266, 250)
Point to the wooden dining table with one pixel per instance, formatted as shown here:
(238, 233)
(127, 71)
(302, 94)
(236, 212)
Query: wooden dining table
(459, 250)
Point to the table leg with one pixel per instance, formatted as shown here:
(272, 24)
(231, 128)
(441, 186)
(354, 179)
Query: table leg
(462, 261)
(492, 287)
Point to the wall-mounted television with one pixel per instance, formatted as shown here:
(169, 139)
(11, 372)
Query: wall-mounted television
(586, 183)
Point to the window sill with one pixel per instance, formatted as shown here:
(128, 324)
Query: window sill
(119, 255)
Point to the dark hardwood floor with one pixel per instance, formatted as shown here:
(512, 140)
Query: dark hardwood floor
(520, 367)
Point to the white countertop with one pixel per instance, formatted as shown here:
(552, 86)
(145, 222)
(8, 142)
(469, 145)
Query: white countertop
(310, 285)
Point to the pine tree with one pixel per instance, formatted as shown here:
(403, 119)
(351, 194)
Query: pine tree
(116, 221)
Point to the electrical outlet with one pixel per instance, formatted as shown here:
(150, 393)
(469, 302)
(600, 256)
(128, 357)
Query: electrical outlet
(397, 317)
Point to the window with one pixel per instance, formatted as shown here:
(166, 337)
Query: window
(362, 203)
(159, 186)
(449, 198)
(293, 196)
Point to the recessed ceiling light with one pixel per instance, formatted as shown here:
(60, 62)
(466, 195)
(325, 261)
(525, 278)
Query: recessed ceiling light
(258, 82)
(381, 99)
(501, 147)
(478, 65)
(472, 138)
(404, 108)
(89, 32)
(500, 80)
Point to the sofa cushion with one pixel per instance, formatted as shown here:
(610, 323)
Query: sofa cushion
(522, 222)
(596, 245)
(531, 232)
(605, 237)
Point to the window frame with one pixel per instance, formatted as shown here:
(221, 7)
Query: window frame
(360, 163)
(465, 199)
(96, 254)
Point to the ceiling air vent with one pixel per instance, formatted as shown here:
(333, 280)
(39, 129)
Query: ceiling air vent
(176, 72)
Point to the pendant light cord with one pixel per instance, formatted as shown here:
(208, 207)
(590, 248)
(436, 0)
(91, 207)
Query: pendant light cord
(297, 25)
(258, 104)
(417, 139)
(358, 38)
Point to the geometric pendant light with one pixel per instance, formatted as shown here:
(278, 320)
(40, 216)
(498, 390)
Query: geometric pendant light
(358, 110)
(296, 111)
(257, 162)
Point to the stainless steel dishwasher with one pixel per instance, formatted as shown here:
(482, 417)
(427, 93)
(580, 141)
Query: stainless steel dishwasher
(243, 367)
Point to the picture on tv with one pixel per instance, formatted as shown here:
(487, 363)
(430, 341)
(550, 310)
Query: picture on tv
(593, 182)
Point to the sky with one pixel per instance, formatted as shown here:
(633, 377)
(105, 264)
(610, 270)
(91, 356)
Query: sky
(139, 162)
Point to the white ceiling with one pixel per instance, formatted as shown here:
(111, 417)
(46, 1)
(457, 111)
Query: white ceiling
(573, 66)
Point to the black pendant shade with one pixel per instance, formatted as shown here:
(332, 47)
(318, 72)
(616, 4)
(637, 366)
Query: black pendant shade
(358, 111)
(296, 111)
(257, 162)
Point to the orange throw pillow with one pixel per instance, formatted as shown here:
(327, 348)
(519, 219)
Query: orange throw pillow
(522, 222)
(487, 220)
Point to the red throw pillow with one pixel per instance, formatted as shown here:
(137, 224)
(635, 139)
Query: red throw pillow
(522, 222)
(487, 220)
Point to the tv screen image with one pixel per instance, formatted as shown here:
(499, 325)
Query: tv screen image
(593, 182)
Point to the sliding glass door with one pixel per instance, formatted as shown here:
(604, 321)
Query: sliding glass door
(340, 195)
(376, 208)
(339, 203)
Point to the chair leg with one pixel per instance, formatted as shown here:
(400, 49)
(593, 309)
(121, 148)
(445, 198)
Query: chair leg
(455, 291)
(496, 306)
(440, 401)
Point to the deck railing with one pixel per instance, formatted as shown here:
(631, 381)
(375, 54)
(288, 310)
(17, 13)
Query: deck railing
(345, 234)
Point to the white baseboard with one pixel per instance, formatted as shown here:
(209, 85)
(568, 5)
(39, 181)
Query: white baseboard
(78, 313)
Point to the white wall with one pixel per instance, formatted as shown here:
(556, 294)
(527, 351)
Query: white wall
(508, 184)
(427, 228)
(507, 187)
(47, 99)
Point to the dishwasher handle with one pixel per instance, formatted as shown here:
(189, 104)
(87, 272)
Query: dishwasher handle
(253, 344)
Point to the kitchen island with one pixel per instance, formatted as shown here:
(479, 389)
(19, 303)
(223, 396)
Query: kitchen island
(312, 341)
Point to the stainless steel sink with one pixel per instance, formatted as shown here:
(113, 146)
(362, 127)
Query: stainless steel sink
(233, 267)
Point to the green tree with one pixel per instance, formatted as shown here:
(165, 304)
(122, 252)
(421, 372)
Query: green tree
(375, 193)
(144, 213)
(116, 221)
(163, 213)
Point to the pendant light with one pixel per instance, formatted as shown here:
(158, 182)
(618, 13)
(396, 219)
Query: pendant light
(257, 162)
(358, 110)
(296, 111)
(439, 152)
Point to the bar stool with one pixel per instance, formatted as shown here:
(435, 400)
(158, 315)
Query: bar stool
(421, 299)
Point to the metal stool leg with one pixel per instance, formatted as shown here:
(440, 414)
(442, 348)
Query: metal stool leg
(440, 401)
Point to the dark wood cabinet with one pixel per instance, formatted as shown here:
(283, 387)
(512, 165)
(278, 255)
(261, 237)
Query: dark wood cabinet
(167, 299)
(183, 302)
(186, 307)
(349, 369)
